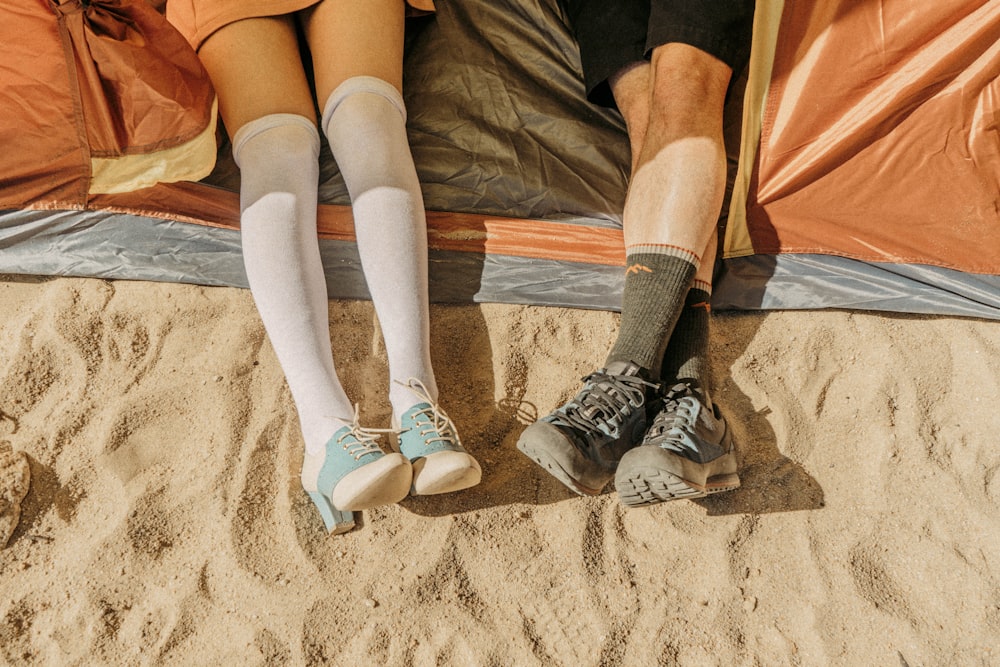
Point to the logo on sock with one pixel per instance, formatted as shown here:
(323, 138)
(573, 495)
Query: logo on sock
(702, 305)
(636, 268)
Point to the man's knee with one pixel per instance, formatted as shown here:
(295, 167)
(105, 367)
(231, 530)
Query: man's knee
(685, 76)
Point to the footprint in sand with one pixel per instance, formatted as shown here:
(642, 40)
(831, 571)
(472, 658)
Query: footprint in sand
(14, 479)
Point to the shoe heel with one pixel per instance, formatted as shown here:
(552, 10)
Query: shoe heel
(720, 483)
(336, 521)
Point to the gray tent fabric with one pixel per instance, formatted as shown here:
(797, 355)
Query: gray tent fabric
(499, 125)
(801, 282)
(116, 246)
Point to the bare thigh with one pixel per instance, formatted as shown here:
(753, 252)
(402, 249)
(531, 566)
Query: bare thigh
(256, 69)
(350, 38)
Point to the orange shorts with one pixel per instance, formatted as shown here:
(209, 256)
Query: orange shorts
(197, 19)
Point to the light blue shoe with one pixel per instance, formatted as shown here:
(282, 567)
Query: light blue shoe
(353, 473)
(427, 437)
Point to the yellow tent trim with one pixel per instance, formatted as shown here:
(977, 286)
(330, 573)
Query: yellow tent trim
(767, 19)
(190, 161)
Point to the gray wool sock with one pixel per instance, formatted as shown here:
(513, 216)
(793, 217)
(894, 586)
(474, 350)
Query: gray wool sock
(655, 287)
(686, 357)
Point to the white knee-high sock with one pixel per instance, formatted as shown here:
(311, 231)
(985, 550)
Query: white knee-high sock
(278, 159)
(365, 121)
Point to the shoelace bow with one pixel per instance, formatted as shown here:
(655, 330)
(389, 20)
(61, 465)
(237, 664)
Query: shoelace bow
(436, 418)
(438, 422)
(600, 401)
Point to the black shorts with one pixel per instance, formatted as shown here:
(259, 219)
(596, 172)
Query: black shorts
(612, 34)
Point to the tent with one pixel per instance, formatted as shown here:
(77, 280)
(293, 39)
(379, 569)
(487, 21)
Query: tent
(870, 177)
(864, 140)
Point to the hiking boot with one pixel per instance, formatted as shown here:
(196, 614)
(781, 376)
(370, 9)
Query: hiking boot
(581, 442)
(687, 453)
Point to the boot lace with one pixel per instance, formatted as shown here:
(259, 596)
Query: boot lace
(605, 401)
(358, 440)
(675, 418)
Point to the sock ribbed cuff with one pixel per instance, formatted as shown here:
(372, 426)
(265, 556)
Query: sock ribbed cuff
(270, 122)
(664, 249)
(361, 84)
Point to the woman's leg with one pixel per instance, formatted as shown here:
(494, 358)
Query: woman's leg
(267, 106)
(357, 54)
(357, 50)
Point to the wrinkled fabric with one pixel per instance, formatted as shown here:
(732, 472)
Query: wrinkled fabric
(104, 80)
(880, 135)
(524, 180)
(794, 281)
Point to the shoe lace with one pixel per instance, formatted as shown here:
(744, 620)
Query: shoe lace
(431, 419)
(358, 440)
(604, 399)
(675, 417)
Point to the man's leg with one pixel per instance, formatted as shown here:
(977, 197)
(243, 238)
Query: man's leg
(670, 220)
(673, 111)
(581, 442)
(675, 193)
(688, 450)
(673, 108)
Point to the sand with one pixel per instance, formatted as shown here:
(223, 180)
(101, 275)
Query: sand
(165, 523)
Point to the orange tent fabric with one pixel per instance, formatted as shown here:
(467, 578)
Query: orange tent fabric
(880, 135)
(98, 97)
